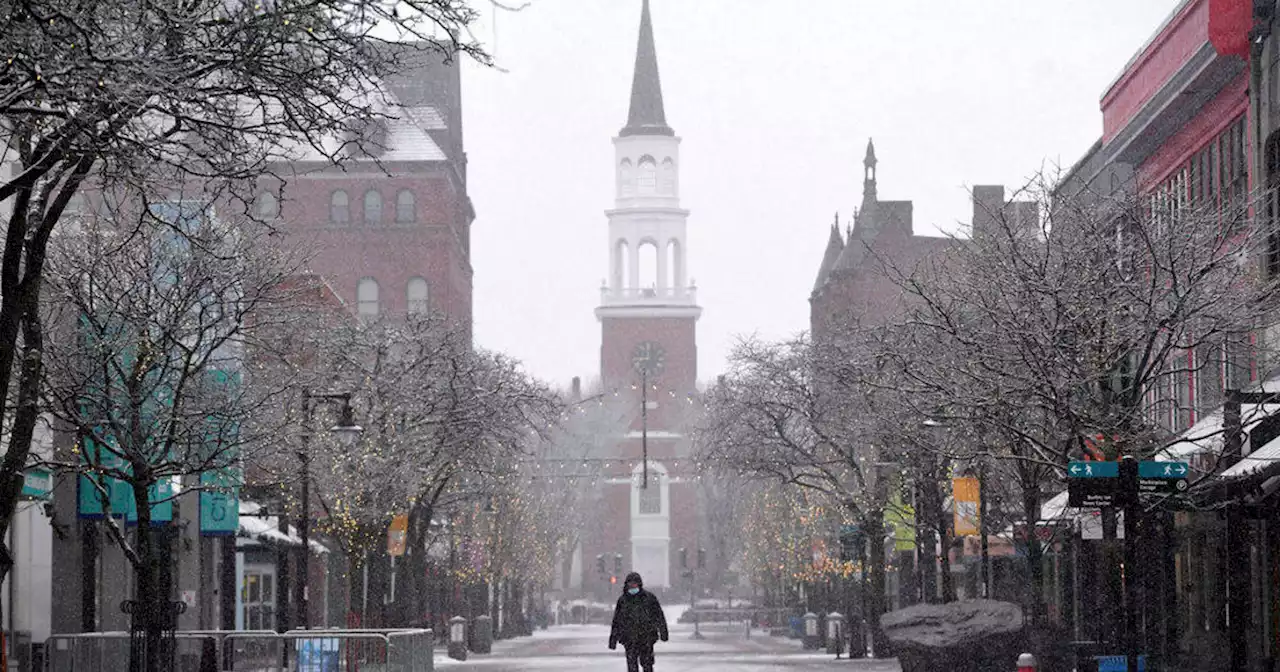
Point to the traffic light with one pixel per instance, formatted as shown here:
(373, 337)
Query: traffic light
(600, 564)
(684, 558)
(617, 563)
(702, 558)
(613, 580)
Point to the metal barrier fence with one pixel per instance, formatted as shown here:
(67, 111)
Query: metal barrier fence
(256, 651)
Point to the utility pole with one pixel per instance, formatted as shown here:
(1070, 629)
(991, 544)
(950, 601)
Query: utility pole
(644, 425)
(982, 529)
(1129, 496)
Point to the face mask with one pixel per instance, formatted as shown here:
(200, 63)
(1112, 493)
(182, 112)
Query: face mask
(633, 591)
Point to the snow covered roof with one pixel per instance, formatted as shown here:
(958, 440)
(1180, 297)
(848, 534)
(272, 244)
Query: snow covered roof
(1207, 435)
(267, 528)
(407, 138)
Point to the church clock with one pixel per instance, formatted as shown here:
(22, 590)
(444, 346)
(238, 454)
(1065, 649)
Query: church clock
(648, 358)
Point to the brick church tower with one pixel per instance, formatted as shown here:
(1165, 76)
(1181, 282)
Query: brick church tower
(648, 314)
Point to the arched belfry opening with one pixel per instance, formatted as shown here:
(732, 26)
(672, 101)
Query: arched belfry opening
(647, 266)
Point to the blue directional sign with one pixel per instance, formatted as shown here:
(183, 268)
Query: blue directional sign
(1163, 469)
(1093, 470)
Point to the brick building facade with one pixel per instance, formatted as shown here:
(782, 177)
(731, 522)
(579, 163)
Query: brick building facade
(390, 228)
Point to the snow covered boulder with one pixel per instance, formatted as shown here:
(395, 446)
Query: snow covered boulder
(965, 636)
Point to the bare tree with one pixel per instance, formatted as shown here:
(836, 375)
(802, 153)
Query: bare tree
(115, 91)
(1083, 322)
(152, 303)
(777, 417)
(442, 423)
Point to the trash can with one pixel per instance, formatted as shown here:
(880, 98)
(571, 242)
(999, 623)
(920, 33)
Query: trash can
(458, 638)
(482, 634)
(811, 638)
(835, 633)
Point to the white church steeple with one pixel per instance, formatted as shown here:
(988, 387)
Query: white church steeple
(648, 271)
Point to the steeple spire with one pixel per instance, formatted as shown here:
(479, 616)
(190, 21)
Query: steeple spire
(647, 116)
(835, 245)
(869, 178)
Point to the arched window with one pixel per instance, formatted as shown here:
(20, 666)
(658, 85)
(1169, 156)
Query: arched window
(647, 182)
(416, 293)
(372, 207)
(668, 177)
(367, 297)
(339, 207)
(404, 207)
(626, 178)
(647, 265)
(268, 206)
(651, 497)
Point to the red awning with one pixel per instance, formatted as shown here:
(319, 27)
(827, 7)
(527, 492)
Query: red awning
(1229, 25)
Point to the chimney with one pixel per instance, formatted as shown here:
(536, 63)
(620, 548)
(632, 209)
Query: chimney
(576, 394)
(988, 207)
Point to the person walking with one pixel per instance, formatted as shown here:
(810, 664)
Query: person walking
(638, 622)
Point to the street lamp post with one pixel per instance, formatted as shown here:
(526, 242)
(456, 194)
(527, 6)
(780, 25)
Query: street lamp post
(346, 428)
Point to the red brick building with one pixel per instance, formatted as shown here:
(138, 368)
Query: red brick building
(856, 277)
(390, 229)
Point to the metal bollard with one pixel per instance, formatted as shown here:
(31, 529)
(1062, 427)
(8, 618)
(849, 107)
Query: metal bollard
(1026, 663)
(458, 638)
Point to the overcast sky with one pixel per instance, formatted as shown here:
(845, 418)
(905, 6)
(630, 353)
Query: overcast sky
(774, 100)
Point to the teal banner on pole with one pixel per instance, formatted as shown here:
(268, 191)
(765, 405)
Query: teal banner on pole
(94, 490)
(220, 503)
(160, 497)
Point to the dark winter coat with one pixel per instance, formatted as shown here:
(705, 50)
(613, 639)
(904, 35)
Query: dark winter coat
(638, 619)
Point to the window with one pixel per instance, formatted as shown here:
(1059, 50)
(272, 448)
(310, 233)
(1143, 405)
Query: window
(647, 184)
(339, 208)
(367, 297)
(404, 207)
(1271, 205)
(668, 177)
(626, 178)
(268, 206)
(647, 265)
(259, 598)
(1184, 412)
(372, 207)
(416, 293)
(1215, 178)
(651, 497)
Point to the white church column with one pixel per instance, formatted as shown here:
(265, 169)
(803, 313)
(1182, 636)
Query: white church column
(661, 254)
(633, 269)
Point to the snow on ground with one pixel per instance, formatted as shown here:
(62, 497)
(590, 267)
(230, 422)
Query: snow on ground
(583, 648)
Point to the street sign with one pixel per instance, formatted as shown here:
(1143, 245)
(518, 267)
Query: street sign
(1162, 486)
(1163, 469)
(37, 484)
(1093, 493)
(1093, 470)
(1093, 484)
(1162, 478)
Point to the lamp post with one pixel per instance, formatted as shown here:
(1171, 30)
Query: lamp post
(349, 431)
